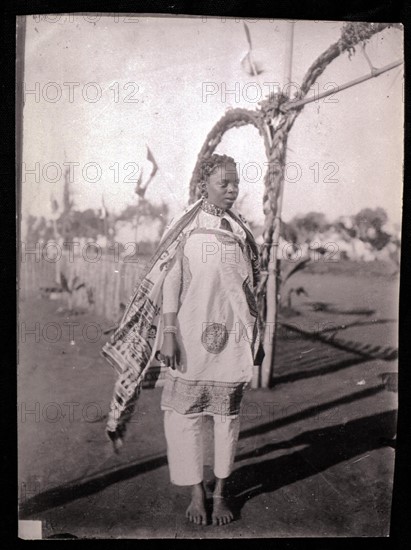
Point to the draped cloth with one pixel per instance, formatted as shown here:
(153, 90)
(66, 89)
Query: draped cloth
(134, 343)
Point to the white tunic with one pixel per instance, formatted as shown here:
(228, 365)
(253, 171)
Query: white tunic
(209, 286)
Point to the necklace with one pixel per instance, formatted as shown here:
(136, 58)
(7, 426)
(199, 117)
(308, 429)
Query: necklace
(211, 208)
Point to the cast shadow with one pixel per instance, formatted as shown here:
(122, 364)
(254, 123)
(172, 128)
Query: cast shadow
(325, 447)
(327, 355)
(80, 488)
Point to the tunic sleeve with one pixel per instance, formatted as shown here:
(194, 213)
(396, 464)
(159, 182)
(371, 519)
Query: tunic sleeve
(172, 286)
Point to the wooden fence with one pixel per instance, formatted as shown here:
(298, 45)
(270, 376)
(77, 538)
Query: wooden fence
(106, 283)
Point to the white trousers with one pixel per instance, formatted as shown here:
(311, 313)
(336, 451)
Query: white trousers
(184, 435)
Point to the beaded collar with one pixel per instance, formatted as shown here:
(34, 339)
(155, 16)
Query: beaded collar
(211, 208)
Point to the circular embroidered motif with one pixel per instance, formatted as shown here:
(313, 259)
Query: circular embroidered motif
(214, 337)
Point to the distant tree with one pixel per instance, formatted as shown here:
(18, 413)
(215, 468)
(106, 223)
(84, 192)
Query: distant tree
(39, 229)
(369, 223)
(370, 219)
(307, 225)
(345, 226)
(145, 210)
(76, 224)
(289, 232)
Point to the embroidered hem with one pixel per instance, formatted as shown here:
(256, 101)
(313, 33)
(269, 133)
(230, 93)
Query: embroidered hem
(202, 396)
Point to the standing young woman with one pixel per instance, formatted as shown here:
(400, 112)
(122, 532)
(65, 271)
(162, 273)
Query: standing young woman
(205, 311)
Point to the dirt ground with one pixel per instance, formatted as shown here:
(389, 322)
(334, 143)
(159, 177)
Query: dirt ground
(315, 455)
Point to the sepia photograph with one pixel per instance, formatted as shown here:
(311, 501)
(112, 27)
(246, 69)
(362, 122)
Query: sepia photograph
(209, 214)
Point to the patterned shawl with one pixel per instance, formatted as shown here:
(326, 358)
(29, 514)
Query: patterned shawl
(132, 346)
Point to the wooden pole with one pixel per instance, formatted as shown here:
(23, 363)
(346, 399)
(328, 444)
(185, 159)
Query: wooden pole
(272, 289)
(289, 54)
(261, 379)
(376, 72)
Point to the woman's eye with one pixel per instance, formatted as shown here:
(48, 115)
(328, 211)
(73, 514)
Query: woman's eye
(225, 183)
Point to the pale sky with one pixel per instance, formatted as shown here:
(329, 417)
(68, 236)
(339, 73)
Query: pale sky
(165, 63)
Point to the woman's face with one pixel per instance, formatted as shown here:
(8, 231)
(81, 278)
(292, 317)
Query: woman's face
(222, 186)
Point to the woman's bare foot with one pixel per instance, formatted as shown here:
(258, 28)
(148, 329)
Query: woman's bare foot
(196, 512)
(221, 512)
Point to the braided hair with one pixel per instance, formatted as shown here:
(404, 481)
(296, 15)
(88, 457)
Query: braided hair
(208, 166)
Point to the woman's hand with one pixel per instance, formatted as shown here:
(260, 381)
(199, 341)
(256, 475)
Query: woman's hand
(170, 350)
